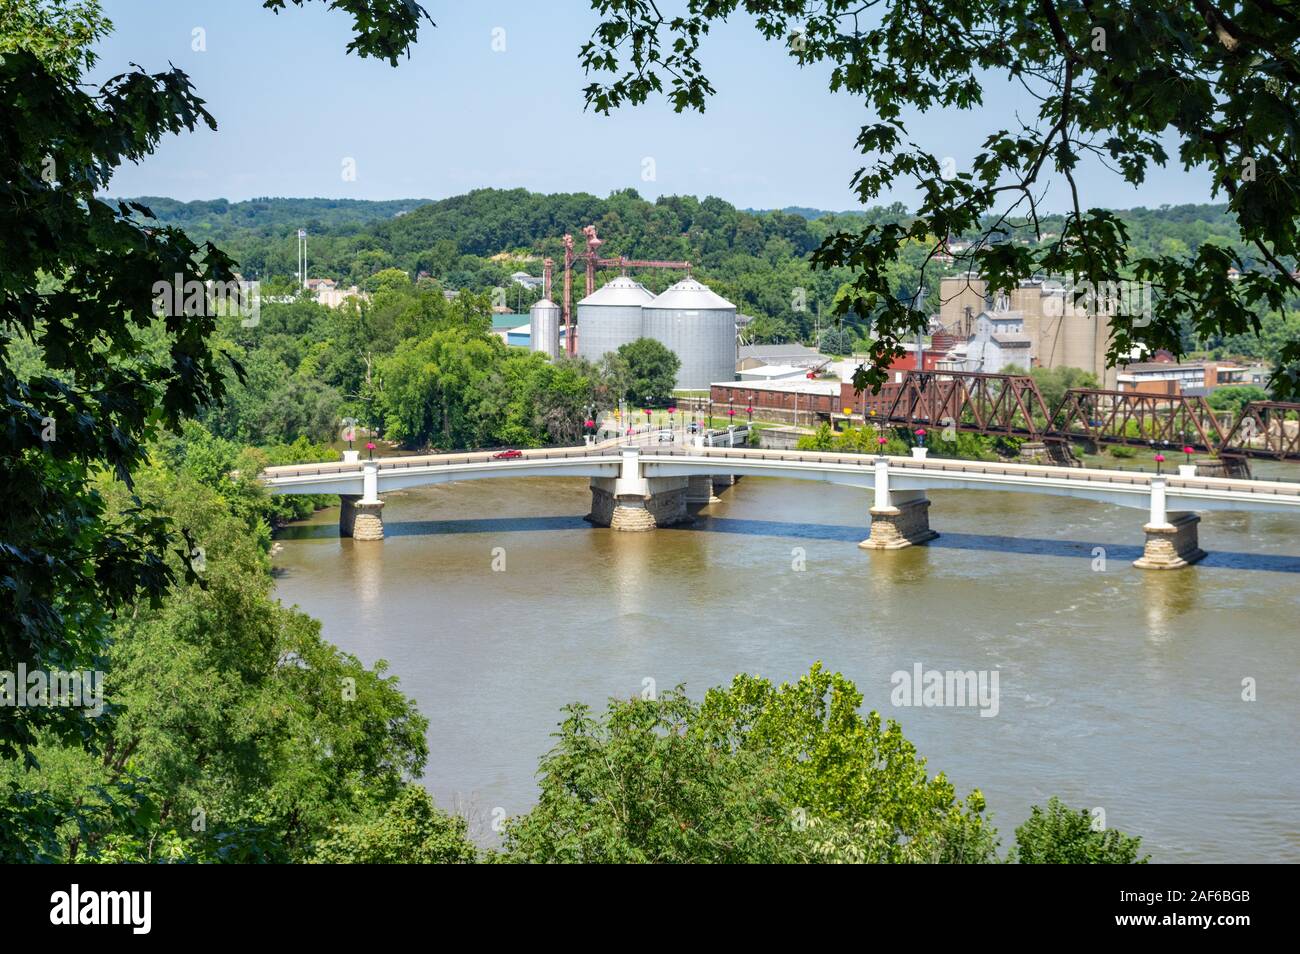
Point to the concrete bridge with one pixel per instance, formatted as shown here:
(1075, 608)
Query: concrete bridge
(648, 484)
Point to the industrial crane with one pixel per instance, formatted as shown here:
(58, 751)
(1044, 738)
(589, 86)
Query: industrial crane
(593, 261)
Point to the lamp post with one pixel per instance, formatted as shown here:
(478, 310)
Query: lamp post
(370, 448)
(750, 411)
(1160, 459)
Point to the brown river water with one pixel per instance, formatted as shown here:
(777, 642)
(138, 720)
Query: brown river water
(1117, 689)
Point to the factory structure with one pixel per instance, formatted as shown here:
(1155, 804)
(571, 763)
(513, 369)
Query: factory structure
(695, 323)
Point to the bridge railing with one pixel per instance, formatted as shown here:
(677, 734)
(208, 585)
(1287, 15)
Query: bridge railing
(931, 464)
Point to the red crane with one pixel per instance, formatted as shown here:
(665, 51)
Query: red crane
(593, 261)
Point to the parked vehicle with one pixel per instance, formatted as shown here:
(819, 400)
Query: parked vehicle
(510, 454)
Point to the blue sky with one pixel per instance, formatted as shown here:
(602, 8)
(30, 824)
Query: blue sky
(292, 106)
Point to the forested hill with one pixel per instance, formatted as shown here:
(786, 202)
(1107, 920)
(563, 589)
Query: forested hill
(757, 259)
(219, 218)
(349, 239)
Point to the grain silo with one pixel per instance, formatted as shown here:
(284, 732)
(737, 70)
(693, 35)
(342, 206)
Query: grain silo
(544, 325)
(699, 326)
(610, 317)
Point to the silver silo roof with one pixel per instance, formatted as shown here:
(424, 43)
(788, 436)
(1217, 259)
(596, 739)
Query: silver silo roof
(610, 317)
(699, 326)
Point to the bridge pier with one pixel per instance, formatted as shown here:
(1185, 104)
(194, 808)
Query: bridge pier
(361, 518)
(898, 519)
(634, 503)
(699, 490)
(1171, 537)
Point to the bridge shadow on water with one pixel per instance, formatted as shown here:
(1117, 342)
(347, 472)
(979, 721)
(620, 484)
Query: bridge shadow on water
(997, 543)
(987, 542)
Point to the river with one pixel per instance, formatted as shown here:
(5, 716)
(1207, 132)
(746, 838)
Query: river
(1118, 689)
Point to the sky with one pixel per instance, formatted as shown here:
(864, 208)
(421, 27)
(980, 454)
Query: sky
(492, 97)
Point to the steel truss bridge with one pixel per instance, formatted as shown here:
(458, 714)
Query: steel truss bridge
(1010, 405)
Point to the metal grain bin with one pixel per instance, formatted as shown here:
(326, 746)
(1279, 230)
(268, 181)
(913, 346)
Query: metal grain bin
(544, 325)
(610, 317)
(699, 326)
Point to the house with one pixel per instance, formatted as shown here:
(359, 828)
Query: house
(528, 281)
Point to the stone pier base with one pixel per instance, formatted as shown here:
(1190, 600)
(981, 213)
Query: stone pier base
(699, 490)
(904, 525)
(1171, 546)
(723, 480)
(639, 512)
(361, 520)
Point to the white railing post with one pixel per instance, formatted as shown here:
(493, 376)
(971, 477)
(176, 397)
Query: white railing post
(370, 482)
(1159, 517)
(882, 484)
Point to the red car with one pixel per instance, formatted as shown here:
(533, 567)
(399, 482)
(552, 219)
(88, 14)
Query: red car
(508, 454)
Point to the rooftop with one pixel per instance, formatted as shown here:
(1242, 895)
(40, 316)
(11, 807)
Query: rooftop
(800, 385)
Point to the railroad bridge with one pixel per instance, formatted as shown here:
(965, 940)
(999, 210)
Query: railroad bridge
(1010, 405)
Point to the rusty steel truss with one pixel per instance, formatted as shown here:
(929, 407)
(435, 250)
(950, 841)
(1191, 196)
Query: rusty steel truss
(1136, 419)
(1003, 404)
(1010, 405)
(1266, 429)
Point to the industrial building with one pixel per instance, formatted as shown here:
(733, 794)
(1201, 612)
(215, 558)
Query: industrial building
(610, 317)
(689, 319)
(1050, 335)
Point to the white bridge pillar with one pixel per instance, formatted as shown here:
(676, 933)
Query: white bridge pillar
(362, 518)
(899, 518)
(633, 502)
(1171, 542)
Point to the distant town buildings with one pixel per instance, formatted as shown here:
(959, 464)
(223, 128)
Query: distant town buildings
(325, 291)
(1164, 375)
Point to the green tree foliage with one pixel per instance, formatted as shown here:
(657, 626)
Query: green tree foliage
(651, 371)
(643, 784)
(409, 830)
(93, 366)
(1235, 398)
(1119, 81)
(837, 341)
(756, 773)
(1054, 382)
(1058, 836)
(246, 735)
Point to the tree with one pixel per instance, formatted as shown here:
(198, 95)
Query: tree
(651, 369)
(99, 303)
(1059, 836)
(755, 773)
(836, 341)
(410, 830)
(1113, 83)
(1235, 398)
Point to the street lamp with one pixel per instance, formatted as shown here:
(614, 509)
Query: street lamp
(370, 446)
(750, 411)
(1160, 459)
